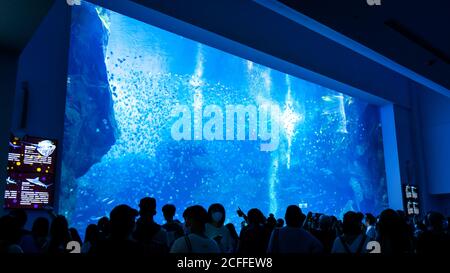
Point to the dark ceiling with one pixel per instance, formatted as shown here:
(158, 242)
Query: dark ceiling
(413, 33)
(18, 21)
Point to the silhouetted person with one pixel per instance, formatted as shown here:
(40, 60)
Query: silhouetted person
(393, 233)
(10, 234)
(122, 223)
(21, 217)
(254, 238)
(216, 230)
(448, 225)
(293, 238)
(75, 236)
(336, 226)
(90, 238)
(173, 227)
(434, 240)
(280, 223)
(59, 235)
(360, 217)
(234, 236)
(196, 241)
(419, 228)
(37, 241)
(325, 232)
(408, 224)
(103, 228)
(271, 221)
(151, 235)
(353, 240)
(370, 222)
(308, 221)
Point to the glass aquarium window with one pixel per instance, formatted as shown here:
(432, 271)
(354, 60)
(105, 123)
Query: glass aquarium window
(152, 113)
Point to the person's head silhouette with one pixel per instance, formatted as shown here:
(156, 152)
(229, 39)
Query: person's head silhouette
(59, 235)
(216, 213)
(360, 217)
(195, 218)
(280, 223)
(91, 234)
(40, 227)
(271, 220)
(122, 221)
(324, 222)
(370, 219)
(74, 235)
(21, 217)
(147, 207)
(232, 229)
(389, 223)
(351, 223)
(168, 212)
(435, 221)
(255, 217)
(59, 229)
(392, 232)
(103, 225)
(294, 216)
(9, 230)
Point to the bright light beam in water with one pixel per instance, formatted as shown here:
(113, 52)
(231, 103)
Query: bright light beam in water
(196, 83)
(289, 118)
(343, 120)
(273, 182)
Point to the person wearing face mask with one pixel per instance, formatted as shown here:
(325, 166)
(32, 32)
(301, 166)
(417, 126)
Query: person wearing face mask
(216, 230)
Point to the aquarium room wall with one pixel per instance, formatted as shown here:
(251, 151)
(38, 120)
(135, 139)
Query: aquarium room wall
(256, 28)
(435, 118)
(43, 64)
(8, 70)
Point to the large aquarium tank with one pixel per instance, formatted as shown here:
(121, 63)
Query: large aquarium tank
(152, 113)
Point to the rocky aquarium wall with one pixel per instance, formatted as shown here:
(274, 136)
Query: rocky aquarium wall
(150, 113)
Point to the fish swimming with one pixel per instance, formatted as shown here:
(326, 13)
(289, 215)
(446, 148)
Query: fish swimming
(93, 218)
(36, 182)
(326, 171)
(293, 189)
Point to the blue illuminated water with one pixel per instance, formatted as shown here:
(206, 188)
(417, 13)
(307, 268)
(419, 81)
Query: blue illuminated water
(125, 78)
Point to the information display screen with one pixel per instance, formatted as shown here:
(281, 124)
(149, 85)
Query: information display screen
(30, 173)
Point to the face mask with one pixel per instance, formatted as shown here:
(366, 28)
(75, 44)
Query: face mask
(217, 216)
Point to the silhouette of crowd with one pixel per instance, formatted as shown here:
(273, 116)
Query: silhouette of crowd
(132, 231)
